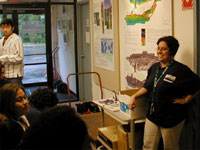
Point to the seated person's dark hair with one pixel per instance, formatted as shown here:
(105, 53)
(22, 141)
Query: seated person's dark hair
(43, 98)
(57, 128)
(40, 100)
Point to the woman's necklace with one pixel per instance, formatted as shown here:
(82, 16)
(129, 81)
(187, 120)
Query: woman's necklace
(156, 80)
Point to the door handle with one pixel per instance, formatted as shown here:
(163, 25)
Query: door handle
(82, 56)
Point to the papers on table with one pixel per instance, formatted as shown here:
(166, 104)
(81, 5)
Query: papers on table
(108, 103)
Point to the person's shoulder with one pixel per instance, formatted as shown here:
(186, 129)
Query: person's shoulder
(1, 40)
(33, 111)
(181, 66)
(15, 36)
(11, 126)
(183, 69)
(154, 66)
(156, 63)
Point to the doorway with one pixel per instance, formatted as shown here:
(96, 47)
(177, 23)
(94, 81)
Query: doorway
(30, 24)
(56, 51)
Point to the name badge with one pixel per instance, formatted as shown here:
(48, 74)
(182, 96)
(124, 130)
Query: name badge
(169, 78)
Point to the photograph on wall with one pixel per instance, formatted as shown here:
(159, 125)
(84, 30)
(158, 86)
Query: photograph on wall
(103, 35)
(142, 23)
(96, 19)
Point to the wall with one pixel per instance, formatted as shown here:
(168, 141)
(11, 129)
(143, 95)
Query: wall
(183, 31)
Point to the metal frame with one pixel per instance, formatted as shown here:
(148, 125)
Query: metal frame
(47, 7)
(196, 9)
(82, 73)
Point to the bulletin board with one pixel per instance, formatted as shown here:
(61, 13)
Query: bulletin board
(105, 42)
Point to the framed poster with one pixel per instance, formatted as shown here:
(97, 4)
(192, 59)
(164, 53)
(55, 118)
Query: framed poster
(103, 35)
(105, 42)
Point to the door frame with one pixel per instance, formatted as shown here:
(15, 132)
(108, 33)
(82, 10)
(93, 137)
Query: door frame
(36, 7)
(82, 86)
(196, 36)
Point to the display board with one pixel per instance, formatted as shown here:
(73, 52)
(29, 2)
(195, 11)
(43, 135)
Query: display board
(105, 42)
(141, 24)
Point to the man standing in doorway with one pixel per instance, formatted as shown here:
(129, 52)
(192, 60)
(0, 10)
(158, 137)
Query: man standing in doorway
(11, 54)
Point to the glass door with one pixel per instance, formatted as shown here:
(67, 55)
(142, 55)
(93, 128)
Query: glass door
(32, 31)
(30, 25)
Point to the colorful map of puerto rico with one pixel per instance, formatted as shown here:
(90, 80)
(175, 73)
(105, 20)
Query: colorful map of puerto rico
(132, 18)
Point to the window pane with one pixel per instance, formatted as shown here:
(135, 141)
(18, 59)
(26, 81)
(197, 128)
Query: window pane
(32, 33)
(30, 49)
(35, 59)
(32, 28)
(35, 74)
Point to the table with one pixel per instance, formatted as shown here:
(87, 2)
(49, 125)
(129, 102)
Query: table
(139, 117)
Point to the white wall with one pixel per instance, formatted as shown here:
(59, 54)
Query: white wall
(183, 31)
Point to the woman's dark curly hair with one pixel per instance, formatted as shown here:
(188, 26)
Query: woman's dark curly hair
(171, 42)
(43, 98)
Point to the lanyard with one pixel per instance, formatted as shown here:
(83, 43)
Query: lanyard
(156, 80)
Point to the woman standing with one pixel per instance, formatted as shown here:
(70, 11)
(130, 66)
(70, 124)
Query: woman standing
(169, 86)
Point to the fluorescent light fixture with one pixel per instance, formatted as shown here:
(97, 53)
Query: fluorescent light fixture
(3, 0)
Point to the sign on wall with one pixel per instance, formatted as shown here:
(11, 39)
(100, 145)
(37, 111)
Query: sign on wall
(187, 4)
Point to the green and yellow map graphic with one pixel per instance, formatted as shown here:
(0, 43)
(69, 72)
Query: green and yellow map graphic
(132, 19)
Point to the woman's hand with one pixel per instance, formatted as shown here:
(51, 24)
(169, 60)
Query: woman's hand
(132, 103)
(179, 101)
(139, 93)
(182, 100)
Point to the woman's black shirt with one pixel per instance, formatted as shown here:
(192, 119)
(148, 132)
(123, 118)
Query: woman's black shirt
(177, 82)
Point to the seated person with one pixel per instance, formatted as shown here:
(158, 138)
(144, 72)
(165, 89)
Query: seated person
(13, 107)
(14, 103)
(40, 100)
(11, 134)
(57, 128)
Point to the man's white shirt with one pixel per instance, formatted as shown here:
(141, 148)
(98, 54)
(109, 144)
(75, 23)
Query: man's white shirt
(12, 55)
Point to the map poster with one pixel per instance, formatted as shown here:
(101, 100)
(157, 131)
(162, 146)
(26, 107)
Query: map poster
(142, 23)
(103, 34)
